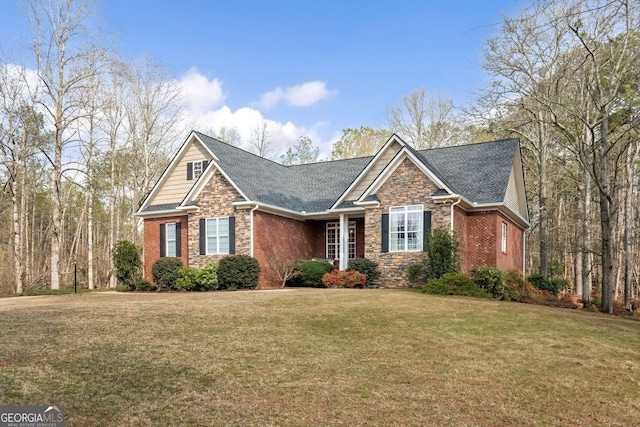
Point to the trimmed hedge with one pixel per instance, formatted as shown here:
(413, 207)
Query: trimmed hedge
(238, 272)
(311, 273)
(198, 279)
(344, 279)
(165, 271)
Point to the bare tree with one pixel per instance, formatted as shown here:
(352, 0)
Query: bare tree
(230, 135)
(154, 120)
(65, 59)
(20, 129)
(361, 142)
(113, 100)
(567, 65)
(284, 270)
(260, 139)
(424, 121)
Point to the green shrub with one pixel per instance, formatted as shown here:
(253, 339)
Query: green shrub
(516, 285)
(198, 279)
(238, 272)
(490, 279)
(187, 279)
(454, 284)
(366, 267)
(538, 280)
(127, 263)
(554, 285)
(311, 273)
(165, 272)
(146, 286)
(443, 253)
(417, 274)
(442, 256)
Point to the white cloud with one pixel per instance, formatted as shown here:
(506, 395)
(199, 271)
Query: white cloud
(208, 113)
(301, 95)
(201, 93)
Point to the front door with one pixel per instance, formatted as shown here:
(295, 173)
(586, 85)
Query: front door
(333, 240)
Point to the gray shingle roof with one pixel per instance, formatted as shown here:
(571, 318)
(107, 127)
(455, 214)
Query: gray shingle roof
(479, 172)
(163, 207)
(312, 187)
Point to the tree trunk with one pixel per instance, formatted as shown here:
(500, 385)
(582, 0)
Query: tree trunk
(112, 210)
(632, 154)
(605, 218)
(587, 281)
(56, 208)
(17, 243)
(542, 199)
(90, 281)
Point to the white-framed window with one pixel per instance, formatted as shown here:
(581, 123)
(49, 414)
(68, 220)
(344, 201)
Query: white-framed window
(405, 228)
(333, 240)
(504, 237)
(171, 239)
(197, 170)
(217, 237)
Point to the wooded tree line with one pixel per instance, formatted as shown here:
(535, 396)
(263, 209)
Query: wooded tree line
(84, 136)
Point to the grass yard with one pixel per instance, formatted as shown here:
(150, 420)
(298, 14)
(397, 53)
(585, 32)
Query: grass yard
(317, 357)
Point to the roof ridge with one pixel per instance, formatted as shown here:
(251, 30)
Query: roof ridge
(238, 148)
(470, 144)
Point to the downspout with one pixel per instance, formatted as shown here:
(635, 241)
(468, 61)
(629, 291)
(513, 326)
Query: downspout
(524, 252)
(251, 228)
(452, 210)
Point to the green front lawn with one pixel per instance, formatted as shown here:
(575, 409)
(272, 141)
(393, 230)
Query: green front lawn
(317, 357)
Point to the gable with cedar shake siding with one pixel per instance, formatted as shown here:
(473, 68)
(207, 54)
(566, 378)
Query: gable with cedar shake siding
(219, 200)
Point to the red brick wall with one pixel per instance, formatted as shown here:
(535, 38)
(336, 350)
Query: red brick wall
(512, 259)
(278, 239)
(483, 243)
(151, 248)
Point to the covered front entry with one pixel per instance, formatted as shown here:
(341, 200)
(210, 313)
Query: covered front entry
(343, 239)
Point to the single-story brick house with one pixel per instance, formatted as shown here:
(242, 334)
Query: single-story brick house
(215, 199)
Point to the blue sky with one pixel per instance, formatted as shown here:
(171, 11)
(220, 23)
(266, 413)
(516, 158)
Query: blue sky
(306, 67)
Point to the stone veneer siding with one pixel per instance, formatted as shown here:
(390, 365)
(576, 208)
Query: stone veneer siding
(406, 186)
(216, 200)
(151, 240)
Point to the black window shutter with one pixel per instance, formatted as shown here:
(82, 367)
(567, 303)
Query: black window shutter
(232, 235)
(178, 240)
(189, 171)
(385, 232)
(205, 163)
(426, 226)
(163, 241)
(203, 236)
